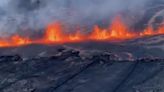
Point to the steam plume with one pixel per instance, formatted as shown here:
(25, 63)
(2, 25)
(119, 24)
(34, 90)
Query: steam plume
(36, 14)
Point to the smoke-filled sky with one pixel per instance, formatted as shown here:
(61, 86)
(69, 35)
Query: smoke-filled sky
(36, 14)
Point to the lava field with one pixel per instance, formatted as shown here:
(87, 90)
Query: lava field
(81, 46)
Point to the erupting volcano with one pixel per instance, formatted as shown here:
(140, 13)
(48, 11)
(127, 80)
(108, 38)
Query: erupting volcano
(54, 33)
(81, 45)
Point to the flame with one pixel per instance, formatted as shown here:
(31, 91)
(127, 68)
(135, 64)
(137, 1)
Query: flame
(161, 30)
(147, 31)
(17, 40)
(76, 37)
(117, 30)
(99, 34)
(4, 43)
(54, 33)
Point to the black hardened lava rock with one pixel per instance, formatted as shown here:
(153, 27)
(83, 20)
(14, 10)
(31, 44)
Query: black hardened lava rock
(61, 74)
(9, 58)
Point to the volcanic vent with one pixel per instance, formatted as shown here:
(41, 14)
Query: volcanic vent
(118, 28)
(54, 33)
(81, 46)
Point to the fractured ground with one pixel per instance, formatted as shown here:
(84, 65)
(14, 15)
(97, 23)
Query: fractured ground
(69, 72)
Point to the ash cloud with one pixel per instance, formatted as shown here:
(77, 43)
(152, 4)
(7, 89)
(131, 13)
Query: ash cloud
(33, 15)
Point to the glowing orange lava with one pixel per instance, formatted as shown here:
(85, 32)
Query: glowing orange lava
(99, 34)
(77, 36)
(54, 33)
(17, 40)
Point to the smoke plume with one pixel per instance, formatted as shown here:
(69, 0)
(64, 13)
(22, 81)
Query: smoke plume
(33, 15)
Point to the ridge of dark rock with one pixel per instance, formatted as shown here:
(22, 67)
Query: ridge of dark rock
(67, 71)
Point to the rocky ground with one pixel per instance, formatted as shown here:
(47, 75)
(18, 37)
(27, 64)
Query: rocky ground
(90, 66)
(70, 71)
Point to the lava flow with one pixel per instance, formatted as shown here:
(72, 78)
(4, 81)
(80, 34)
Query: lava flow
(54, 33)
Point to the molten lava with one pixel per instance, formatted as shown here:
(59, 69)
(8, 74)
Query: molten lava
(15, 40)
(77, 36)
(54, 33)
(99, 34)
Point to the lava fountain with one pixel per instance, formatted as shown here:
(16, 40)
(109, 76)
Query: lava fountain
(54, 33)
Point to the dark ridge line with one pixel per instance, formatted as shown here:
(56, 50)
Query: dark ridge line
(76, 74)
(24, 76)
(126, 77)
(92, 63)
(8, 85)
(73, 76)
(152, 76)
